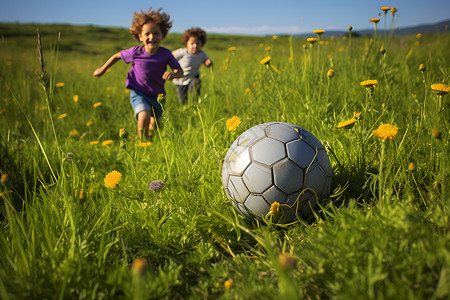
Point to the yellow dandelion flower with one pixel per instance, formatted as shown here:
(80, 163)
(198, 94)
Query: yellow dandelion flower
(274, 37)
(43, 107)
(4, 178)
(75, 98)
(231, 49)
(356, 115)
(374, 20)
(5, 99)
(348, 124)
(2, 110)
(127, 91)
(74, 132)
(385, 9)
(81, 194)
(261, 45)
(233, 123)
(265, 60)
(312, 40)
(393, 11)
(107, 142)
(60, 84)
(440, 89)
(436, 134)
(268, 48)
(93, 142)
(139, 265)
(112, 179)
(123, 134)
(97, 104)
(350, 27)
(418, 36)
(62, 116)
(386, 131)
(228, 284)
(275, 208)
(144, 144)
(422, 68)
(369, 83)
(319, 31)
(411, 167)
(330, 73)
(161, 99)
(89, 123)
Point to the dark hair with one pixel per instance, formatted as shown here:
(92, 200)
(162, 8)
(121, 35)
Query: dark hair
(157, 17)
(194, 32)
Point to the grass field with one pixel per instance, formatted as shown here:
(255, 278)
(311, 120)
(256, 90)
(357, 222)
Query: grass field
(382, 234)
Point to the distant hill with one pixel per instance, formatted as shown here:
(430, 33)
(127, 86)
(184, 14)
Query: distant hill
(442, 26)
(29, 29)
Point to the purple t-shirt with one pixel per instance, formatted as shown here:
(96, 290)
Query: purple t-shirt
(146, 73)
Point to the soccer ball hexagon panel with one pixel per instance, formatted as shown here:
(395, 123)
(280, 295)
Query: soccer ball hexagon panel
(279, 162)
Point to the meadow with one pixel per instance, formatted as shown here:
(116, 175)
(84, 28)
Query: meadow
(383, 233)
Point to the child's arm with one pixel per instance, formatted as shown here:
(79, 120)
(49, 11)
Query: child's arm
(208, 63)
(177, 73)
(178, 54)
(111, 61)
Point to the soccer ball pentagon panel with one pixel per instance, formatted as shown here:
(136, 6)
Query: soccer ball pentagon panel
(276, 162)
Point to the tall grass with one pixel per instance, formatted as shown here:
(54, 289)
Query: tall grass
(382, 233)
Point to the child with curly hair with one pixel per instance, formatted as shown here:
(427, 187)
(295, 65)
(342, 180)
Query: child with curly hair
(148, 71)
(191, 58)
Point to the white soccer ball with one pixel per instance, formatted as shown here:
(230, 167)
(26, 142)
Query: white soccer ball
(278, 162)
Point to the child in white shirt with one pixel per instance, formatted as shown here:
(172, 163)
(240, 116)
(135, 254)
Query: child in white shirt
(190, 59)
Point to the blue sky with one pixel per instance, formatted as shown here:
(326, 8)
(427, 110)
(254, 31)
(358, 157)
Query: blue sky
(232, 16)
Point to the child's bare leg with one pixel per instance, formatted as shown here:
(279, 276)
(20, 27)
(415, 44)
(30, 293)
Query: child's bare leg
(153, 125)
(143, 122)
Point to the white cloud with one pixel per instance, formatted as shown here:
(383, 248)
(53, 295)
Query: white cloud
(260, 30)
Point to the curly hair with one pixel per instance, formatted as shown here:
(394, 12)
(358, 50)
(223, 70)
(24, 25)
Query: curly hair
(157, 17)
(194, 32)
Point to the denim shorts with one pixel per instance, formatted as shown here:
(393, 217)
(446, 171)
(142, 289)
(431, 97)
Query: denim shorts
(140, 102)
